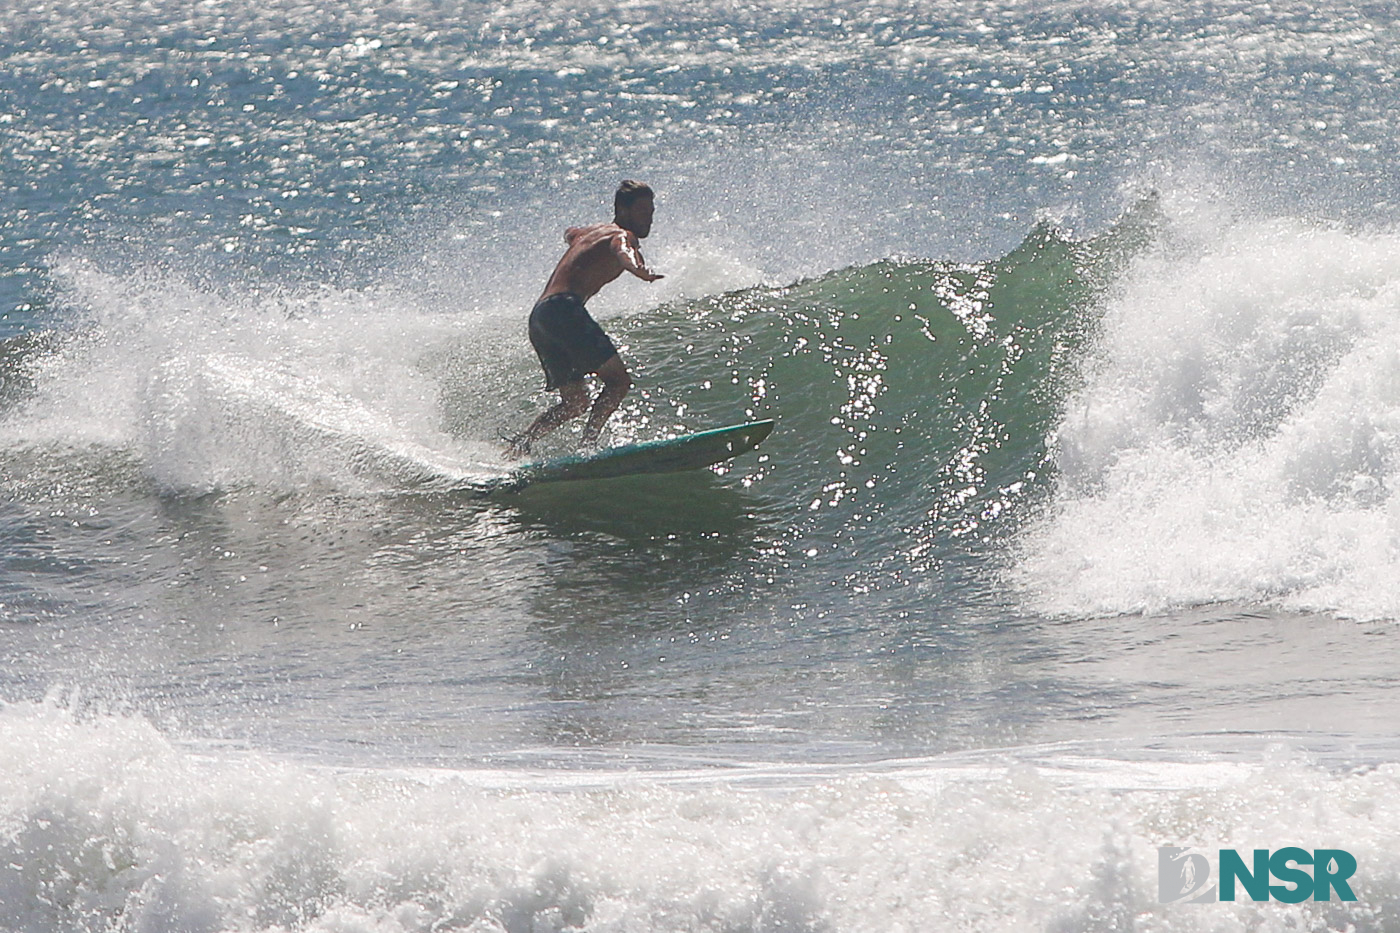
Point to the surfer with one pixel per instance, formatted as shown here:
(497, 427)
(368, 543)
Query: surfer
(569, 342)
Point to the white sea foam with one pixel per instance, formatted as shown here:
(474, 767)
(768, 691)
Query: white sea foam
(1238, 433)
(211, 390)
(106, 823)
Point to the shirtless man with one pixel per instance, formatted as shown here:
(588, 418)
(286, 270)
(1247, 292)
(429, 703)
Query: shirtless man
(569, 342)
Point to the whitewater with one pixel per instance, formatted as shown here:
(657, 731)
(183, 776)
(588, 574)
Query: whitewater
(1077, 536)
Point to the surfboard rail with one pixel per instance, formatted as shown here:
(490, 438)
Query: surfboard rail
(663, 455)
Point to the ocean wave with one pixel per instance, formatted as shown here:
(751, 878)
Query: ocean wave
(1151, 418)
(1235, 437)
(110, 824)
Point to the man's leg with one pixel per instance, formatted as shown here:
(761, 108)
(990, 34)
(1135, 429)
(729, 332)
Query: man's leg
(616, 382)
(573, 401)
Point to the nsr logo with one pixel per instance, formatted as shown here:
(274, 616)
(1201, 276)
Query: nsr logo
(1183, 876)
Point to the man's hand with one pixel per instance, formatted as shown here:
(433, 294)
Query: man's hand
(624, 246)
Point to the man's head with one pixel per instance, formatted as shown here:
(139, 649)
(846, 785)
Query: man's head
(633, 206)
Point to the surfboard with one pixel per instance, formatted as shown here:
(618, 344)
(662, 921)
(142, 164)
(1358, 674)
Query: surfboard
(667, 455)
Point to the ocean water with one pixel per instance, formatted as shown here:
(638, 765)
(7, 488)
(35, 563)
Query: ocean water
(1077, 536)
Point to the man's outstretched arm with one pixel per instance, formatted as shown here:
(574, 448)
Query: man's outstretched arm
(625, 248)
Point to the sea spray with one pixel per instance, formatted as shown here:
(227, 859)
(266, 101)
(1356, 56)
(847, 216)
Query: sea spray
(114, 825)
(1236, 435)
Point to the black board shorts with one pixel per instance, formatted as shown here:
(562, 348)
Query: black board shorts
(569, 342)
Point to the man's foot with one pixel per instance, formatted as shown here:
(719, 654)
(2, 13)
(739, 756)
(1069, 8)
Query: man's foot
(517, 446)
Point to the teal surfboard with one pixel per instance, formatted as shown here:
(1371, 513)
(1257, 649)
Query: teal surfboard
(669, 455)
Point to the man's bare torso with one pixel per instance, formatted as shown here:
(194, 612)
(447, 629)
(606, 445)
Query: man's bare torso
(592, 259)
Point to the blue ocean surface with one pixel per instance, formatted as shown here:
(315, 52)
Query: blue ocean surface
(1077, 536)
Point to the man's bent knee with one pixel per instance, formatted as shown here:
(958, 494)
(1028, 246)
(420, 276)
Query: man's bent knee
(619, 387)
(616, 378)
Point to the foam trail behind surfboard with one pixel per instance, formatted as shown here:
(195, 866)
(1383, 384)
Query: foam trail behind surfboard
(325, 425)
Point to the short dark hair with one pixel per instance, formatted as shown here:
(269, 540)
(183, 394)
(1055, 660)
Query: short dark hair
(629, 192)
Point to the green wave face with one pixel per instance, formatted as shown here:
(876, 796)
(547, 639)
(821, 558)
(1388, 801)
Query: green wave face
(914, 398)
